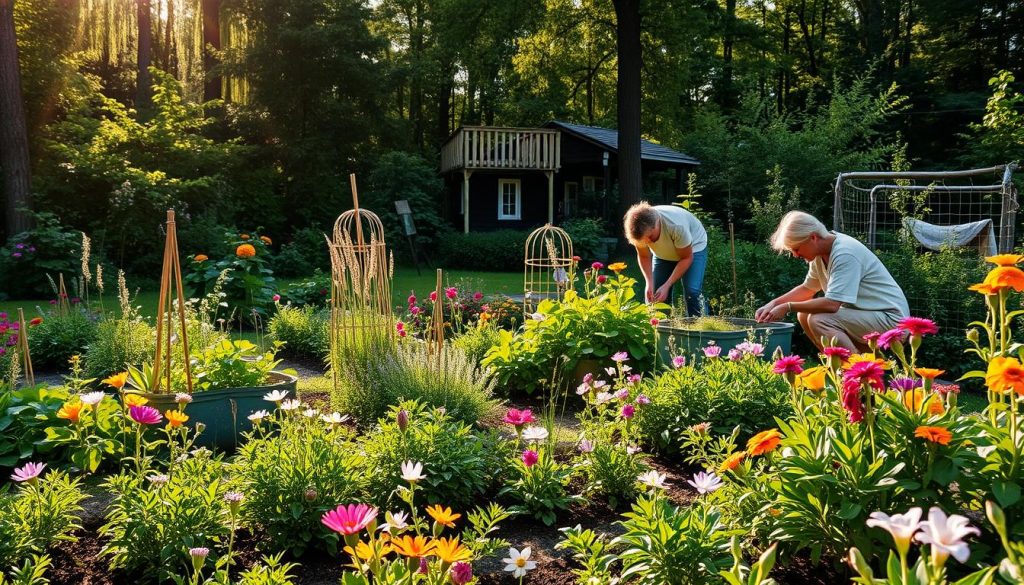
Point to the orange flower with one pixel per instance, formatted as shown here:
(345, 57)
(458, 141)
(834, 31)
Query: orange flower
(266, 240)
(913, 399)
(36, 321)
(732, 462)
(763, 442)
(1005, 374)
(443, 516)
(812, 379)
(617, 267)
(134, 400)
(415, 547)
(866, 357)
(1005, 259)
(365, 552)
(245, 251)
(244, 236)
(935, 406)
(117, 380)
(940, 435)
(982, 288)
(929, 373)
(70, 411)
(450, 550)
(175, 417)
(1004, 277)
(201, 258)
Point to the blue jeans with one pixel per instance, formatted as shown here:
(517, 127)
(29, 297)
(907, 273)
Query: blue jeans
(693, 282)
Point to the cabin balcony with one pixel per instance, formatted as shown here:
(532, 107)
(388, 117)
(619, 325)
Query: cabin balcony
(473, 148)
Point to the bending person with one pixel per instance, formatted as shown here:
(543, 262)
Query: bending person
(671, 245)
(860, 296)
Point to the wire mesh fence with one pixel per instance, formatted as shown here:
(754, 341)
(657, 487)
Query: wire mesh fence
(932, 230)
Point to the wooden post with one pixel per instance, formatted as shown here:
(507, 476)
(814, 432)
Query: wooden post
(732, 252)
(30, 377)
(465, 200)
(551, 196)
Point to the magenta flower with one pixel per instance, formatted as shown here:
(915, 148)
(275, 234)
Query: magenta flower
(622, 394)
(477, 296)
(402, 418)
(890, 337)
(839, 352)
(943, 389)
(28, 472)
(601, 278)
(643, 400)
(869, 373)
(145, 415)
(918, 326)
(530, 458)
(433, 296)
(871, 337)
(597, 266)
(412, 300)
(461, 573)
(680, 361)
(712, 351)
(748, 347)
(620, 357)
(276, 298)
(349, 519)
(633, 379)
(628, 411)
(851, 401)
(451, 292)
(518, 418)
(399, 326)
(790, 364)
(654, 321)
(415, 310)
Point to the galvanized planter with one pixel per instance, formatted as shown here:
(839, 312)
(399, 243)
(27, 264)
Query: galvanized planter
(674, 338)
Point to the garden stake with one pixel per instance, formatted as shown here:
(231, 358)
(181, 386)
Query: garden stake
(732, 252)
(30, 377)
(171, 269)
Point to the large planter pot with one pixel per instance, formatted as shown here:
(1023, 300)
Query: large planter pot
(674, 338)
(225, 412)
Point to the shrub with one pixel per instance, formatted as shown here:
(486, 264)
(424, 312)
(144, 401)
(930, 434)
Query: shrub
(460, 464)
(291, 478)
(721, 392)
(240, 270)
(302, 330)
(37, 515)
(476, 341)
(63, 332)
(586, 234)
(121, 342)
(25, 414)
(314, 291)
(29, 257)
(496, 251)
(541, 486)
(304, 254)
(447, 379)
(232, 364)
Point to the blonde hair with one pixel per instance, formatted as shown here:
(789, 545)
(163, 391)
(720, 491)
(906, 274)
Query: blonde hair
(796, 228)
(639, 219)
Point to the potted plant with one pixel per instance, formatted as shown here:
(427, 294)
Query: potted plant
(690, 335)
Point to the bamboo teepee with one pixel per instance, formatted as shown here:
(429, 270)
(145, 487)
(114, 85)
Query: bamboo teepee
(166, 306)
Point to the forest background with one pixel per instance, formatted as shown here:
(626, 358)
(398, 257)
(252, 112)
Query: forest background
(250, 114)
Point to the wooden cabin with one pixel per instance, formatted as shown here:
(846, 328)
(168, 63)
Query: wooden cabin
(519, 178)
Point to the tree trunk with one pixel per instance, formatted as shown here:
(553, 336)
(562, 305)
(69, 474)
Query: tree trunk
(143, 89)
(14, 157)
(211, 44)
(627, 14)
(444, 106)
(725, 92)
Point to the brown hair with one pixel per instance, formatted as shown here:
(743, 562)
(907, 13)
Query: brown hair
(639, 219)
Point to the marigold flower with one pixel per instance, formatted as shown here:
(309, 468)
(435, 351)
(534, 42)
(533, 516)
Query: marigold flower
(245, 251)
(175, 418)
(201, 258)
(1005, 374)
(1005, 259)
(763, 442)
(266, 240)
(1004, 277)
(117, 380)
(935, 406)
(940, 435)
(414, 546)
(450, 550)
(617, 267)
(132, 399)
(732, 462)
(929, 373)
(70, 411)
(812, 379)
(443, 516)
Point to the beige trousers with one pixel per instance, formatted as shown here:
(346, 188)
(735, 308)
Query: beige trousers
(848, 326)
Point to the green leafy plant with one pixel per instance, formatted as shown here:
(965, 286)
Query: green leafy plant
(539, 484)
(38, 514)
(25, 415)
(242, 274)
(233, 364)
(61, 333)
(120, 341)
(302, 329)
(27, 259)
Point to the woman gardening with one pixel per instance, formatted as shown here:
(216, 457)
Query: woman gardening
(671, 245)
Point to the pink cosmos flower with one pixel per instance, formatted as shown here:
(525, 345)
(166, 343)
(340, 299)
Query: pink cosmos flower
(451, 292)
(790, 364)
(518, 418)
(890, 337)
(643, 400)
(433, 296)
(28, 472)
(712, 351)
(628, 410)
(680, 361)
(530, 458)
(349, 519)
(477, 296)
(865, 373)
(461, 573)
(145, 415)
(918, 326)
(597, 266)
(839, 352)
(633, 379)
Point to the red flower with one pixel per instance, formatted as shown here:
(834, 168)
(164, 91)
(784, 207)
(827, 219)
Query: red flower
(433, 296)
(851, 401)
(918, 326)
(601, 279)
(869, 373)
(518, 418)
(36, 321)
(790, 364)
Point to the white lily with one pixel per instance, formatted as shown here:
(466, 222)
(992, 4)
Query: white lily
(946, 536)
(901, 526)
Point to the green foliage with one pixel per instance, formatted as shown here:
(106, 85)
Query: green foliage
(150, 528)
(611, 471)
(31, 572)
(303, 330)
(97, 437)
(49, 248)
(292, 477)
(765, 215)
(304, 254)
(586, 234)
(1000, 136)
(64, 332)
(476, 341)
(501, 250)
(540, 490)
(39, 514)
(403, 176)
(232, 364)
(242, 276)
(459, 463)
(25, 414)
(120, 342)
(313, 291)
(721, 392)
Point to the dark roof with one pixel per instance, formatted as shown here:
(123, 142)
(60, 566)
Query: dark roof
(609, 139)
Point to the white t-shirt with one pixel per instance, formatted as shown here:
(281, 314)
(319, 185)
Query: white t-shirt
(856, 278)
(679, 229)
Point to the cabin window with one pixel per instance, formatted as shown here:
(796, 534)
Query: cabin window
(572, 192)
(593, 184)
(509, 199)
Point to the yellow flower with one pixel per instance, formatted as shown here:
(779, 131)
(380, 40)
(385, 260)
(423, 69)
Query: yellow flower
(1005, 374)
(935, 406)
(117, 380)
(866, 357)
(175, 417)
(940, 435)
(365, 552)
(732, 462)
(201, 258)
(413, 546)
(617, 267)
(70, 411)
(1004, 277)
(443, 516)
(450, 550)
(245, 251)
(1005, 259)
(982, 288)
(763, 442)
(134, 400)
(913, 399)
(812, 379)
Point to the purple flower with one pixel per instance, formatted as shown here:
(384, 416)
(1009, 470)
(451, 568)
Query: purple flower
(28, 472)
(628, 411)
(643, 400)
(678, 361)
(16, 254)
(633, 379)
(461, 573)
(20, 246)
(145, 415)
(622, 394)
(586, 446)
(735, 355)
(620, 357)
(712, 351)
(904, 384)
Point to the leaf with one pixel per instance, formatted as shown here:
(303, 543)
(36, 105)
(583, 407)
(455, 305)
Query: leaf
(1006, 493)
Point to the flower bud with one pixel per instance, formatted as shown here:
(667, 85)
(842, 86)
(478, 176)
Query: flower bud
(402, 418)
(311, 495)
(972, 335)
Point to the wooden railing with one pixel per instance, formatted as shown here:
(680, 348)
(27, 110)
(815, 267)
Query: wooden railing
(486, 147)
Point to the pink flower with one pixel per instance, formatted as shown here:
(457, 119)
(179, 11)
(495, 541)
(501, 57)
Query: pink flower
(28, 472)
(839, 352)
(586, 446)
(412, 300)
(735, 355)
(851, 401)
(712, 351)
(399, 326)
(790, 364)
(519, 418)
(601, 279)
(654, 321)
(918, 326)
(643, 400)
(680, 361)
(402, 332)
(891, 336)
(943, 389)
(414, 310)
(433, 296)
(622, 394)
(424, 567)
(871, 337)
(620, 357)
(597, 266)
(461, 573)
(145, 415)
(865, 373)
(349, 519)
(530, 458)
(478, 296)
(451, 292)
(633, 379)
(276, 298)
(628, 411)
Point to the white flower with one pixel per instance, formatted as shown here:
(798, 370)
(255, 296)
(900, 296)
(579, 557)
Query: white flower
(310, 412)
(258, 416)
(901, 526)
(633, 450)
(984, 452)
(586, 446)
(518, 563)
(533, 434)
(602, 397)
(92, 398)
(654, 479)
(946, 535)
(705, 483)
(335, 418)
(276, 396)
(583, 389)
(158, 479)
(396, 521)
(292, 404)
(412, 471)
(611, 371)
(626, 368)
(536, 317)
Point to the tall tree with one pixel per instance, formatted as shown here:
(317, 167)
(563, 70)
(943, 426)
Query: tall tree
(14, 153)
(143, 89)
(627, 14)
(211, 46)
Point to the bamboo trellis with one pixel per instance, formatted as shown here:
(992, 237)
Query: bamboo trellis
(165, 312)
(22, 352)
